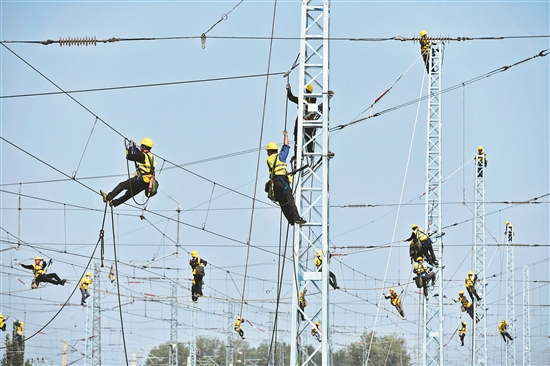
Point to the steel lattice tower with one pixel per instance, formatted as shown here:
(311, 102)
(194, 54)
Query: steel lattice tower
(230, 347)
(173, 349)
(510, 317)
(193, 345)
(479, 349)
(93, 322)
(526, 319)
(312, 183)
(433, 310)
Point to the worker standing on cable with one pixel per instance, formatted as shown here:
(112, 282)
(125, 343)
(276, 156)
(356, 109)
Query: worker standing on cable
(143, 179)
(470, 281)
(419, 236)
(198, 265)
(502, 328)
(481, 161)
(238, 327)
(395, 301)
(40, 275)
(462, 333)
(319, 264)
(84, 283)
(279, 179)
(424, 274)
(425, 47)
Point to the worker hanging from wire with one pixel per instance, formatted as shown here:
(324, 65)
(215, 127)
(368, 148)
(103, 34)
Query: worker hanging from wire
(319, 264)
(84, 283)
(425, 47)
(462, 333)
(466, 305)
(302, 303)
(422, 243)
(278, 186)
(481, 161)
(112, 276)
(197, 264)
(470, 281)
(502, 329)
(3, 322)
(396, 302)
(143, 179)
(39, 269)
(316, 331)
(18, 331)
(238, 327)
(424, 274)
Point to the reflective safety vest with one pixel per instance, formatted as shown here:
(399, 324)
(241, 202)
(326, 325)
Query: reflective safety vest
(146, 170)
(425, 45)
(464, 301)
(421, 268)
(38, 269)
(463, 330)
(469, 282)
(196, 264)
(421, 235)
(318, 261)
(280, 167)
(85, 282)
(394, 299)
(238, 324)
(502, 327)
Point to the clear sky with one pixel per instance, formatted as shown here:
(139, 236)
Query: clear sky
(211, 126)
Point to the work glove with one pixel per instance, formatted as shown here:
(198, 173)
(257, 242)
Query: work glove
(288, 87)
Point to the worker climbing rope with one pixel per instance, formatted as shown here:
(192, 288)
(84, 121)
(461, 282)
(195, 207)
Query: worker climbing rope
(143, 179)
(197, 264)
(470, 281)
(502, 329)
(84, 283)
(424, 274)
(319, 264)
(2, 322)
(396, 302)
(316, 331)
(466, 305)
(238, 327)
(39, 270)
(18, 331)
(278, 186)
(302, 303)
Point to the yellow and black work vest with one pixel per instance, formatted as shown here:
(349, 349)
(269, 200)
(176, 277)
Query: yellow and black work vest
(465, 302)
(38, 269)
(147, 169)
(420, 268)
(469, 282)
(463, 330)
(394, 299)
(86, 281)
(196, 264)
(276, 167)
(421, 235)
(425, 45)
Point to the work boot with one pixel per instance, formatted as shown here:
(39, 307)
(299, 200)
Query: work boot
(63, 282)
(104, 195)
(300, 221)
(404, 317)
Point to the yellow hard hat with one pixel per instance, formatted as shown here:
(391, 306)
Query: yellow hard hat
(391, 289)
(238, 317)
(470, 273)
(480, 147)
(272, 146)
(423, 33)
(21, 324)
(413, 226)
(88, 274)
(464, 323)
(37, 258)
(507, 223)
(319, 253)
(317, 323)
(194, 253)
(461, 292)
(147, 142)
(503, 320)
(419, 259)
(309, 88)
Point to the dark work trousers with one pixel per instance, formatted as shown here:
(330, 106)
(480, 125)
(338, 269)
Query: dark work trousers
(133, 186)
(462, 338)
(283, 195)
(48, 277)
(85, 295)
(426, 277)
(399, 309)
(428, 252)
(332, 280)
(473, 293)
(506, 334)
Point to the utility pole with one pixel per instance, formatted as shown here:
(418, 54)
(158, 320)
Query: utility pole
(526, 319)
(433, 310)
(93, 322)
(479, 349)
(510, 313)
(312, 183)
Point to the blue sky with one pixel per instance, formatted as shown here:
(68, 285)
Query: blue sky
(197, 124)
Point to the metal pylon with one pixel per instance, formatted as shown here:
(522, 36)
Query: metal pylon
(510, 311)
(230, 347)
(312, 185)
(479, 349)
(193, 345)
(173, 349)
(93, 322)
(526, 319)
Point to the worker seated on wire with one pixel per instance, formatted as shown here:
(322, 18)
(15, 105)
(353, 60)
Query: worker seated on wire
(462, 333)
(466, 305)
(18, 331)
(316, 331)
(426, 248)
(279, 181)
(197, 264)
(424, 274)
(395, 301)
(84, 283)
(502, 329)
(302, 303)
(40, 275)
(238, 327)
(319, 264)
(470, 281)
(481, 161)
(143, 179)
(2, 322)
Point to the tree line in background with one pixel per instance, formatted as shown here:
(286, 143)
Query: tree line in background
(386, 350)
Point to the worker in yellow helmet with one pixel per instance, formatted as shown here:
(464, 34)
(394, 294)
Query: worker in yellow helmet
(462, 333)
(396, 302)
(319, 264)
(238, 327)
(481, 161)
(470, 281)
(302, 303)
(40, 275)
(425, 47)
(279, 181)
(84, 283)
(197, 264)
(316, 331)
(2, 322)
(18, 330)
(465, 305)
(143, 179)
(502, 328)
(423, 243)
(509, 229)
(424, 274)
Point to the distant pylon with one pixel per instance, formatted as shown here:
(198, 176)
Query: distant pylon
(510, 313)
(526, 319)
